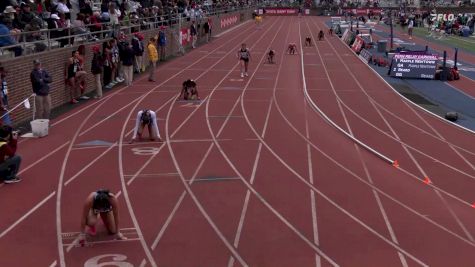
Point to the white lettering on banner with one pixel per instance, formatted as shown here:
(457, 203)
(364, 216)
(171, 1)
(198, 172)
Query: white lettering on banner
(281, 11)
(226, 22)
(447, 17)
(118, 260)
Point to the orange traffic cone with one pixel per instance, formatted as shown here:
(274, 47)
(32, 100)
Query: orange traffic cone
(427, 180)
(396, 164)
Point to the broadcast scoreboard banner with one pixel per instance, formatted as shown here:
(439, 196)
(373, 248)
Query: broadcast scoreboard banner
(407, 65)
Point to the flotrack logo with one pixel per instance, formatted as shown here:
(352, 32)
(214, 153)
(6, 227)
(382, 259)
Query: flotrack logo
(226, 22)
(444, 17)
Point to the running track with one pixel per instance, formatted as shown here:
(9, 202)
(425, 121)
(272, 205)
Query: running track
(254, 175)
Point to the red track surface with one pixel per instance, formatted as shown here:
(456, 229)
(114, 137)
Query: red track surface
(252, 176)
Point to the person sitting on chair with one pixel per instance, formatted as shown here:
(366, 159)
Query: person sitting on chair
(189, 91)
(104, 204)
(146, 118)
(292, 48)
(270, 57)
(308, 41)
(320, 35)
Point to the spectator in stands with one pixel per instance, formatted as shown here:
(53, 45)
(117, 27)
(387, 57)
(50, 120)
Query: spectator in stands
(40, 80)
(79, 27)
(63, 8)
(85, 7)
(162, 42)
(9, 12)
(9, 162)
(153, 58)
(114, 15)
(33, 30)
(39, 8)
(6, 38)
(95, 21)
(138, 46)
(25, 16)
(193, 33)
(64, 26)
(55, 29)
(4, 97)
(146, 118)
(128, 59)
(96, 69)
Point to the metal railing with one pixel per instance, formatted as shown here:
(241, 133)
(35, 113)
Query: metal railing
(98, 31)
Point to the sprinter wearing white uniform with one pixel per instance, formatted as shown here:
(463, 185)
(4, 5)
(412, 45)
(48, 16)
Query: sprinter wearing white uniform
(146, 118)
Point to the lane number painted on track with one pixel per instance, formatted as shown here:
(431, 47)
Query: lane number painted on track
(117, 260)
(145, 151)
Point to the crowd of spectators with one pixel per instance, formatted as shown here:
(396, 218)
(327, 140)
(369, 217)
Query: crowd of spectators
(27, 20)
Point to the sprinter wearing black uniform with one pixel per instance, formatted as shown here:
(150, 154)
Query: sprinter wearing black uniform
(244, 56)
(104, 204)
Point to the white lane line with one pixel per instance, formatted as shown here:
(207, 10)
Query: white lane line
(368, 175)
(43, 158)
(322, 195)
(91, 243)
(122, 178)
(313, 200)
(259, 197)
(22, 218)
(233, 251)
(90, 164)
(411, 156)
(248, 193)
(54, 263)
(108, 117)
(167, 222)
(152, 174)
(195, 140)
(62, 260)
(144, 165)
(61, 252)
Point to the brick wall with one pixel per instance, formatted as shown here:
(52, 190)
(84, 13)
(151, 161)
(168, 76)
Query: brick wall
(53, 61)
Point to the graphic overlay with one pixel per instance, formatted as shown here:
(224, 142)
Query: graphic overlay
(408, 65)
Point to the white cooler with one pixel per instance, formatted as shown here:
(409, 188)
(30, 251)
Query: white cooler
(39, 128)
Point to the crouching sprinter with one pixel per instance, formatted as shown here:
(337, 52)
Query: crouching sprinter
(146, 118)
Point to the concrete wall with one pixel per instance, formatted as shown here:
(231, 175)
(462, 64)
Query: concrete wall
(54, 62)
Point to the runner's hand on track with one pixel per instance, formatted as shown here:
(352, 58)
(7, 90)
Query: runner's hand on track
(120, 236)
(82, 239)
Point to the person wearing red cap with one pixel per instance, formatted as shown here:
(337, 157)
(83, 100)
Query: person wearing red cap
(96, 69)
